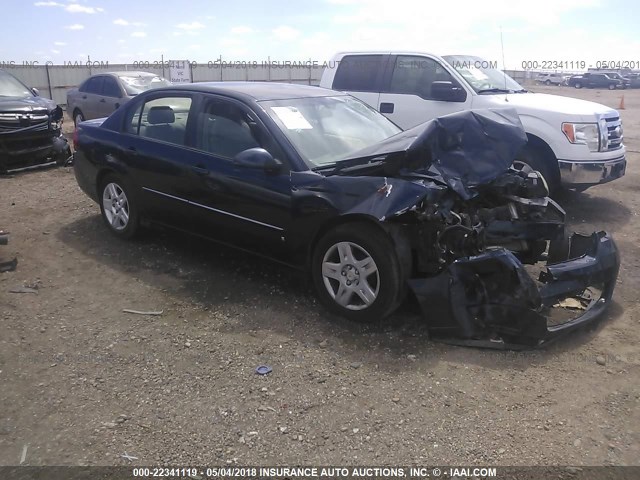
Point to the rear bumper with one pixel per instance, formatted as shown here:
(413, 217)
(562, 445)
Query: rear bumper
(491, 301)
(586, 174)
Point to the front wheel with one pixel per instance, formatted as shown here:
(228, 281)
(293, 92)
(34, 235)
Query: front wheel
(117, 207)
(547, 83)
(577, 85)
(533, 159)
(612, 86)
(78, 117)
(357, 274)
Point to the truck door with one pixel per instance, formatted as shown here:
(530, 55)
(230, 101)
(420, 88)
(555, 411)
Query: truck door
(413, 91)
(361, 76)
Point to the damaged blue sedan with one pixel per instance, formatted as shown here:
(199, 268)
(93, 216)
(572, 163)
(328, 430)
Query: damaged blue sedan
(320, 181)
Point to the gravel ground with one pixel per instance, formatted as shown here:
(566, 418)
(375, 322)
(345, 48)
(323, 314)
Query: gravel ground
(83, 382)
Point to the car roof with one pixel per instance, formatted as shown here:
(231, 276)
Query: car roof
(257, 91)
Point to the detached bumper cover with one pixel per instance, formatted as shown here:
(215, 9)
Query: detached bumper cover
(490, 300)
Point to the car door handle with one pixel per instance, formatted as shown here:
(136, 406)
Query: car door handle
(200, 170)
(84, 97)
(102, 100)
(386, 107)
(132, 150)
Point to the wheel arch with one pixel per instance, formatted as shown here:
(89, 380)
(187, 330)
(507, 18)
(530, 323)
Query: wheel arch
(394, 232)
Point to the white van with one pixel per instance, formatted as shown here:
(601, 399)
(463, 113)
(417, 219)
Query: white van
(572, 142)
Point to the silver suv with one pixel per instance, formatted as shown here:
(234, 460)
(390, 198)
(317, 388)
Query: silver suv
(551, 79)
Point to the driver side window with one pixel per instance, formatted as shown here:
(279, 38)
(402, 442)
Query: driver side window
(224, 129)
(415, 75)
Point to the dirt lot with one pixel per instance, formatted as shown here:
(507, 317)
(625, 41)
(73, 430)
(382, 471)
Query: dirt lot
(83, 383)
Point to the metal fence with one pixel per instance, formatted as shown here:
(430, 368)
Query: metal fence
(53, 81)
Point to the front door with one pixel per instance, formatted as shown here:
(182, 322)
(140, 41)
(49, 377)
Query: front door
(408, 99)
(244, 206)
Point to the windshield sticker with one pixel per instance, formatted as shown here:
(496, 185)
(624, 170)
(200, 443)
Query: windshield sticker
(292, 118)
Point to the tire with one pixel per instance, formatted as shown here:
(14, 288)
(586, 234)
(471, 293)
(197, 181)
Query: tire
(117, 207)
(78, 117)
(530, 159)
(577, 85)
(612, 86)
(340, 284)
(547, 82)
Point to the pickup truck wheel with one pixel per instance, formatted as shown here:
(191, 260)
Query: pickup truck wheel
(357, 274)
(117, 207)
(612, 86)
(78, 117)
(577, 85)
(532, 159)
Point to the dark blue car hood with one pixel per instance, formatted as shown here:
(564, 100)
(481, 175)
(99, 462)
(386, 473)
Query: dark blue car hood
(467, 149)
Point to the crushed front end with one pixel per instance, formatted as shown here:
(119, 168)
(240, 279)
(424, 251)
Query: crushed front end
(31, 135)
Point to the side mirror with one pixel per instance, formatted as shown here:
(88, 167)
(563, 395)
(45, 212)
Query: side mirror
(35, 91)
(447, 91)
(258, 158)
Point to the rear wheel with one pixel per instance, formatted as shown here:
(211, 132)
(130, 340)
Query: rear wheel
(357, 274)
(117, 207)
(577, 85)
(612, 86)
(547, 82)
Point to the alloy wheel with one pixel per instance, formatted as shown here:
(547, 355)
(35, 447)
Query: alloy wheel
(350, 276)
(116, 206)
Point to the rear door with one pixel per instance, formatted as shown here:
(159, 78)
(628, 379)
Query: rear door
(91, 97)
(407, 98)
(155, 142)
(361, 76)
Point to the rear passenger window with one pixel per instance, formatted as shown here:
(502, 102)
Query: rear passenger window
(415, 75)
(162, 119)
(359, 73)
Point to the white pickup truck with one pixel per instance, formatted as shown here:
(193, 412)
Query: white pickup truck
(574, 143)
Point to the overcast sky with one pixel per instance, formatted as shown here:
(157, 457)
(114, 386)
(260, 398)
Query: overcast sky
(121, 31)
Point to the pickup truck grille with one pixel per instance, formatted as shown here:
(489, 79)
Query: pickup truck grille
(614, 128)
(15, 122)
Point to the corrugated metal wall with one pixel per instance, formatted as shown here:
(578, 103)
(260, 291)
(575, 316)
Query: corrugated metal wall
(53, 81)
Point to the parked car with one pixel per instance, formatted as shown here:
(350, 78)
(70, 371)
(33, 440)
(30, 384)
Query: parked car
(30, 127)
(318, 180)
(551, 78)
(595, 80)
(572, 142)
(625, 82)
(99, 95)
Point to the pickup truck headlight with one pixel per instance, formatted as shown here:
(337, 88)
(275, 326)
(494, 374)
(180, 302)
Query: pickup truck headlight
(584, 134)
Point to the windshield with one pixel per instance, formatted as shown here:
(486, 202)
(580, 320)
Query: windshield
(135, 84)
(11, 87)
(480, 76)
(325, 130)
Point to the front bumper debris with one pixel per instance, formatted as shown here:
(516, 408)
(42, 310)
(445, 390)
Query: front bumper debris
(586, 174)
(10, 265)
(491, 301)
